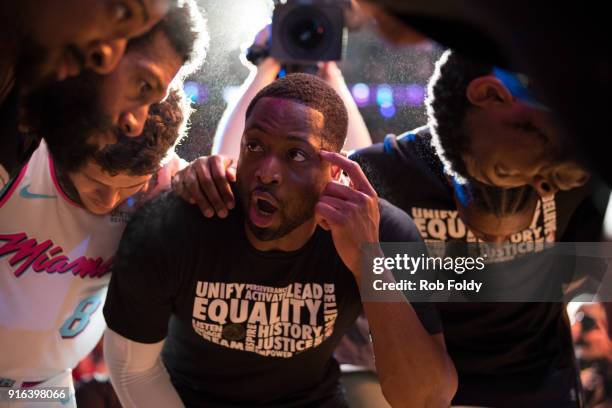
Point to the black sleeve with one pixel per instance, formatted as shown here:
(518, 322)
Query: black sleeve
(397, 226)
(140, 295)
(584, 219)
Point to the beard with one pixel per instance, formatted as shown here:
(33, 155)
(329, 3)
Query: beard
(292, 213)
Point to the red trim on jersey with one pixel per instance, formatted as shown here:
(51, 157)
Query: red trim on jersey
(58, 187)
(12, 188)
(30, 384)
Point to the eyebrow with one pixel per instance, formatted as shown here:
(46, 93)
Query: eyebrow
(483, 174)
(539, 134)
(135, 185)
(542, 135)
(104, 184)
(145, 12)
(290, 138)
(152, 75)
(158, 86)
(530, 127)
(298, 139)
(257, 127)
(485, 177)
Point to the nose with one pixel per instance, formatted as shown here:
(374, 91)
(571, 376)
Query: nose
(269, 171)
(544, 187)
(132, 122)
(108, 198)
(103, 56)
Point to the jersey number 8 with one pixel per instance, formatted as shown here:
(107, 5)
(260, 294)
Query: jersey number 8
(77, 322)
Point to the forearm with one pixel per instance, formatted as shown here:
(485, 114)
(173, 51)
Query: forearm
(138, 374)
(231, 126)
(414, 368)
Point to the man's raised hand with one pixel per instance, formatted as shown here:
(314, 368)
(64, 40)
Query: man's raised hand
(350, 212)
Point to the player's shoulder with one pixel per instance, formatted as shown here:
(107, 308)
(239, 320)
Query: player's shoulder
(376, 155)
(164, 216)
(161, 208)
(395, 154)
(389, 211)
(169, 214)
(395, 224)
(393, 145)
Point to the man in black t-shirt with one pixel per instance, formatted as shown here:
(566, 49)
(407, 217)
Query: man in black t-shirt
(248, 310)
(506, 354)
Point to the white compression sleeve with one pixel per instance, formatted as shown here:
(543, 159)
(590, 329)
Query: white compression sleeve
(138, 374)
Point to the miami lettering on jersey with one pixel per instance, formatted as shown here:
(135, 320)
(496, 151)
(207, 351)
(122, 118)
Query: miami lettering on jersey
(48, 257)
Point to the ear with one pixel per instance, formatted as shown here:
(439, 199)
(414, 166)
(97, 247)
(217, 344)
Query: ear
(336, 172)
(570, 175)
(488, 91)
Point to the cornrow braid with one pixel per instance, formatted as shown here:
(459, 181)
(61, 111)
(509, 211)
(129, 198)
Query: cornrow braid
(501, 202)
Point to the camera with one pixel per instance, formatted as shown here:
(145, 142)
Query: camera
(307, 31)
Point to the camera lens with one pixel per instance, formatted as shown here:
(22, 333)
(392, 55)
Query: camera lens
(306, 33)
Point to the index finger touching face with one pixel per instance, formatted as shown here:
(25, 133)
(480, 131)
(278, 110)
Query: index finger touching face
(352, 169)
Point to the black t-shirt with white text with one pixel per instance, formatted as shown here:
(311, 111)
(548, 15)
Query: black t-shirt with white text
(242, 328)
(503, 351)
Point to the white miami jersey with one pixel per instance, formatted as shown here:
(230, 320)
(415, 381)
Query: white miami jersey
(55, 260)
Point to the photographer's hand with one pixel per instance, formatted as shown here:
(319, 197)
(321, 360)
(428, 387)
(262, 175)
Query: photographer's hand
(260, 52)
(331, 73)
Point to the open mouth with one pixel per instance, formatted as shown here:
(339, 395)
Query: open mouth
(264, 208)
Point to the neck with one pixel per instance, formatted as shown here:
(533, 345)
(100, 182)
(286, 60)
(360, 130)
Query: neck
(293, 241)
